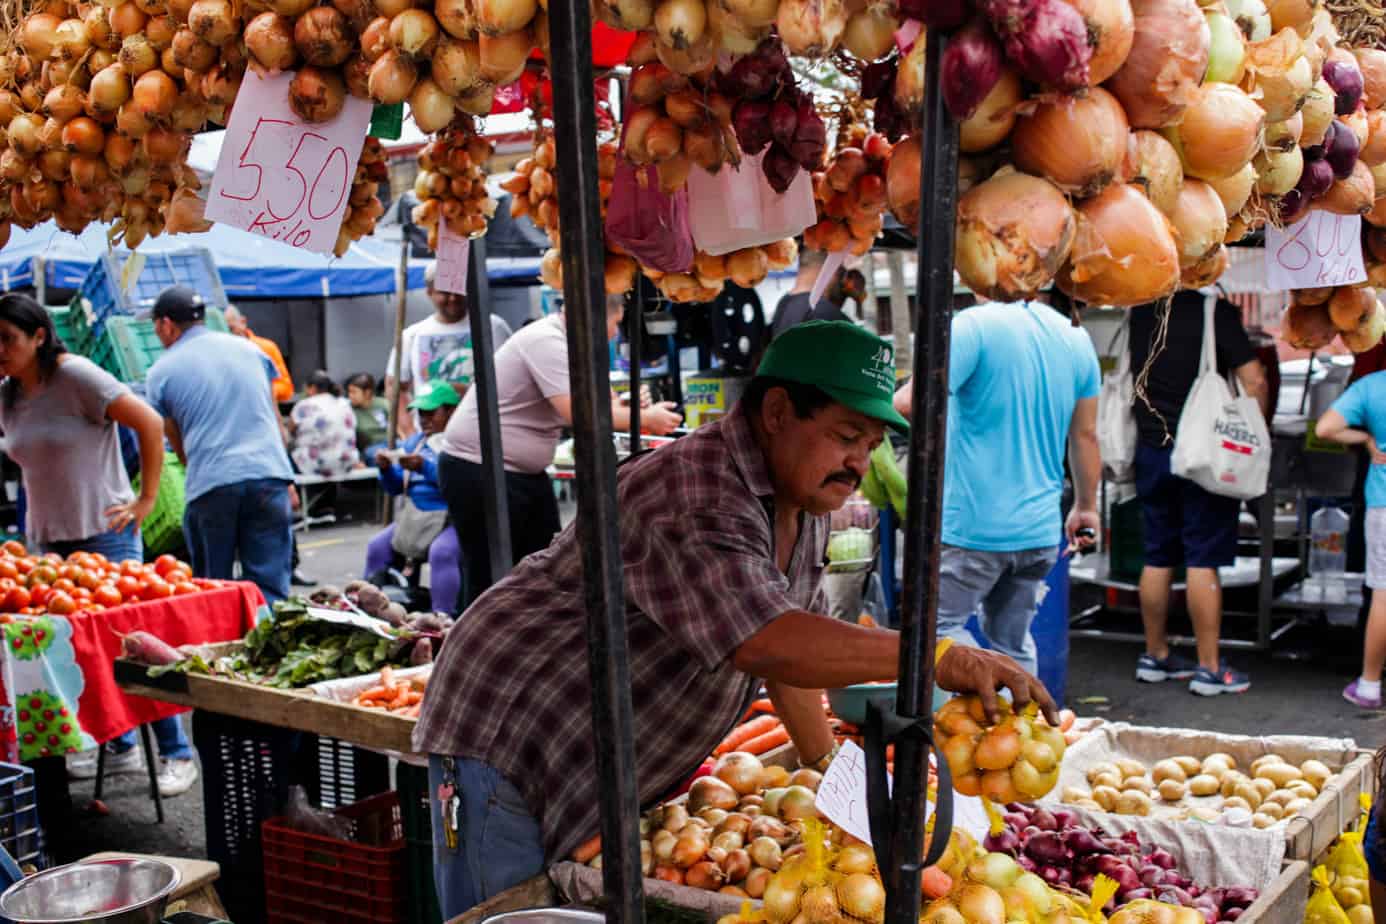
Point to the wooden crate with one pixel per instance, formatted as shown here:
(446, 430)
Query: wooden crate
(1335, 810)
(1284, 900)
(296, 709)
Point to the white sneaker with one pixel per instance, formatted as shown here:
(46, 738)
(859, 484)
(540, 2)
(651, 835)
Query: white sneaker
(83, 766)
(176, 776)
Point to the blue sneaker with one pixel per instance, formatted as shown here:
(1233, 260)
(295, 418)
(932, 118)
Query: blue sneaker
(1150, 669)
(1226, 680)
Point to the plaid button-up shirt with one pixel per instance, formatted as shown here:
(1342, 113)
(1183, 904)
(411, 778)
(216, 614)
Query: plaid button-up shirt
(511, 688)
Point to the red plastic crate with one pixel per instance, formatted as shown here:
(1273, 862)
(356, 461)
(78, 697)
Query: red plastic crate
(311, 879)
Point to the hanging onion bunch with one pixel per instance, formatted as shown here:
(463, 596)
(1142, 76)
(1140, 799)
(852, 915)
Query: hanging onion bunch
(363, 205)
(851, 194)
(773, 115)
(451, 184)
(1317, 316)
(747, 268)
(676, 122)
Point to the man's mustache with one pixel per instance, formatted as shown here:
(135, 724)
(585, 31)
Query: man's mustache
(844, 476)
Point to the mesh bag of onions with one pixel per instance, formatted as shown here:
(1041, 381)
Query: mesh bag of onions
(825, 884)
(1015, 760)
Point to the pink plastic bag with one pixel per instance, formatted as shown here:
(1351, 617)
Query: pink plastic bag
(735, 208)
(647, 224)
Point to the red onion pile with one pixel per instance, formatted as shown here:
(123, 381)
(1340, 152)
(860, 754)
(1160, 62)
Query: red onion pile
(773, 115)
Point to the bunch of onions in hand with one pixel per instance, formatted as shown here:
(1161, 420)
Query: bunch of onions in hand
(1016, 759)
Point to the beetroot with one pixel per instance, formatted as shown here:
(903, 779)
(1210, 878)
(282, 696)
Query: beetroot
(146, 648)
(970, 69)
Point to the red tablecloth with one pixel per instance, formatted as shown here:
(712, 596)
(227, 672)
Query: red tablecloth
(43, 673)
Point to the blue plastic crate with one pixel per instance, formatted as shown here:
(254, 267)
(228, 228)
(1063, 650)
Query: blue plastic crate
(20, 830)
(101, 295)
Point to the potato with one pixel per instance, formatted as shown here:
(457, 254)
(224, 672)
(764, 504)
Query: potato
(1272, 809)
(1138, 784)
(1262, 821)
(1190, 765)
(1297, 807)
(1236, 802)
(1302, 789)
(1073, 794)
(1203, 813)
(1111, 778)
(1173, 790)
(1265, 760)
(1168, 770)
(1230, 781)
(1203, 785)
(1106, 797)
(1132, 802)
(1130, 768)
(1227, 760)
(1316, 773)
(1097, 770)
(1264, 786)
(1248, 792)
(1281, 797)
(1280, 774)
(1089, 805)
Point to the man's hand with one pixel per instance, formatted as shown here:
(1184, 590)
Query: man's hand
(1078, 520)
(382, 459)
(660, 418)
(964, 669)
(294, 502)
(1378, 457)
(122, 516)
(412, 461)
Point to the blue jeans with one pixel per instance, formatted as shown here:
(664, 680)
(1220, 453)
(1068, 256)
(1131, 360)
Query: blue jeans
(250, 521)
(1003, 589)
(498, 840)
(127, 546)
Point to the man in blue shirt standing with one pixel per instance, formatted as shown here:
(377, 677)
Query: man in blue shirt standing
(213, 390)
(1023, 383)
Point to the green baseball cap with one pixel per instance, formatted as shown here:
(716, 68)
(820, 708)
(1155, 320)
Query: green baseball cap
(852, 365)
(436, 395)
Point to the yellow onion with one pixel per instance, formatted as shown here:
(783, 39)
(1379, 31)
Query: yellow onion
(1350, 307)
(1369, 333)
(291, 9)
(456, 65)
(1279, 71)
(357, 74)
(979, 904)
(431, 107)
(1277, 172)
(630, 15)
(1316, 114)
(323, 37)
(120, 152)
(455, 16)
(478, 100)
(160, 31)
(862, 896)
(902, 181)
(995, 116)
(88, 171)
(154, 94)
(680, 23)
(1307, 327)
(375, 39)
(51, 135)
(1013, 233)
(1353, 196)
(191, 53)
(1158, 170)
(870, 34)
(1167, 60)
(23, 134)
(1220, 132)
(166, 146)
(1200, 222)
(1235, 190)
(317, 94)
(1292, 14)
(414, 32)
(1111, 31)
(392, 78)
(809, 28)
(1124, 252)
(1372, 63)
(39, 34)
(1357, 122)
(131, 120)
(1205, 272)
(15, 168)
(70, 40)
(1077, 143)
(733, 36)
(502, 57)
(137, 55)
(497, 17)
(1281, 136)
(63, 102)
(214, 21)
(269, 40)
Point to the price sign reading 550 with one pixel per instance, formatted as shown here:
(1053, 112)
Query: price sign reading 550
(283, 178)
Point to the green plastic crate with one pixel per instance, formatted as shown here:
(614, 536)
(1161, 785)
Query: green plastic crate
(62, 323)
(411, 785)
(127, 348)
(163, 528)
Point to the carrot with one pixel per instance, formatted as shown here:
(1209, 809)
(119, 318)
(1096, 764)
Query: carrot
(588, 849)
(376, 694)
(413, 697)
(743, 733)
(762, 743)
(935, 883)
(387, 676)
(763, 706)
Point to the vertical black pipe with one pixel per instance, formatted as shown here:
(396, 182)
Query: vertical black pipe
(584, 290)
(923, 537)
(635, 326)
(494, 501)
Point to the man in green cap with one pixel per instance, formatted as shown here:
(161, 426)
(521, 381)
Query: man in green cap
(723, 537)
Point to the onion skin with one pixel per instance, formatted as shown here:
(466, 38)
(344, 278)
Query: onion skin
(323, 37)
(1205, 272)
(1200, 222)
(1013, 233)
(1168, 57)
(1158, 170)
(1355, 195)
(1372, 63)
(1220, 132)
(995, 118)
(1111, 28)
(317, 94)
(1124, 253)
(1077, 143)
(971, 67)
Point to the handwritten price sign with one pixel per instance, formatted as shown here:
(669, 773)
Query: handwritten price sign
(281, 177)
(842, 792)
(453, 249)
(1321, 249)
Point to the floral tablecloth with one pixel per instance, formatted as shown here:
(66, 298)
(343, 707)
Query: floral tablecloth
(57, 685)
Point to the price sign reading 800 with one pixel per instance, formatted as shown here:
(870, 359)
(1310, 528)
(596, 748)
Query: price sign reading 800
(280, 177)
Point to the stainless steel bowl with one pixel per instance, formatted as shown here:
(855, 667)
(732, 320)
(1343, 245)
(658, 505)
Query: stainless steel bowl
(547, 916)
(123, 890)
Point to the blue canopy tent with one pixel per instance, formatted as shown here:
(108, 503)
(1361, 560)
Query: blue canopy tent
(251, 266)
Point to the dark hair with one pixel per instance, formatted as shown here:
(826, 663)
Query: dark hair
(362, 380)
(29, 316)
(807, 399)
(323, 382)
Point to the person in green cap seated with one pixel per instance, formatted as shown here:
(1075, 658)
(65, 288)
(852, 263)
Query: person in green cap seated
(421, 530)
(723, 539)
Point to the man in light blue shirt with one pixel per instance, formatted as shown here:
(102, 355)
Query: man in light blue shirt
(213, 390)
(1023, 383)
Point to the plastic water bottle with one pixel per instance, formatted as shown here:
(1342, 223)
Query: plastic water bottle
(1328, 554)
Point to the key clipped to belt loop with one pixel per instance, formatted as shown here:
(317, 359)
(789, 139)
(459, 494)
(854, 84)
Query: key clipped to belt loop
(885, 727)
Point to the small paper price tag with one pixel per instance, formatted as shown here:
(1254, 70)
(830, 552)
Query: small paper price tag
(1319, 250)
(348, 618)
(453, 250)
(842, 792)
(281, 177)
(826, 275)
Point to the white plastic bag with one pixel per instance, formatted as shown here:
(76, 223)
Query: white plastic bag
(1222, 443)
(736, 208)
(1116, 418)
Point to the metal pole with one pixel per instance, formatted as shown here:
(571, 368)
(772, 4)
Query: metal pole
(636, 328)
(584, 289)
(928, 436)
(494, 500)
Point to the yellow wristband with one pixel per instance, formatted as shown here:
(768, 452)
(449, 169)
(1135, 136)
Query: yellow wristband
(941, 649)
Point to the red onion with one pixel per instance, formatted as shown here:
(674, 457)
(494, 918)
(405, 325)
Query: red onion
(1044, 820)
(752, 122)
(810, 136)
(1340, 149)
(1046, 40)
(1047, 848)
(971, 67)
(876, 78)
(1345, 78)
(1162, 858)
(937, 14)
(779, 167)
(783, 120)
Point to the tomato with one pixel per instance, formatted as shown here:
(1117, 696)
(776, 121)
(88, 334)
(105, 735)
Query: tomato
(128, 586)
(65, 585)
(89, 580)
(8, 569)
(25, 565)
(164, 564)
(157, 589)
(43, 574)
(60, 604)
(17, 598)
(53, 558)
(82, 594)
(98, 560)
(132, 568)
(15, 548)
(107, 595)
(179, 575)
(185, 587)
(39, 594)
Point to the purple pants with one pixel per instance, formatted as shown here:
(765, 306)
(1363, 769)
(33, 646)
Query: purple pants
(444, 562)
